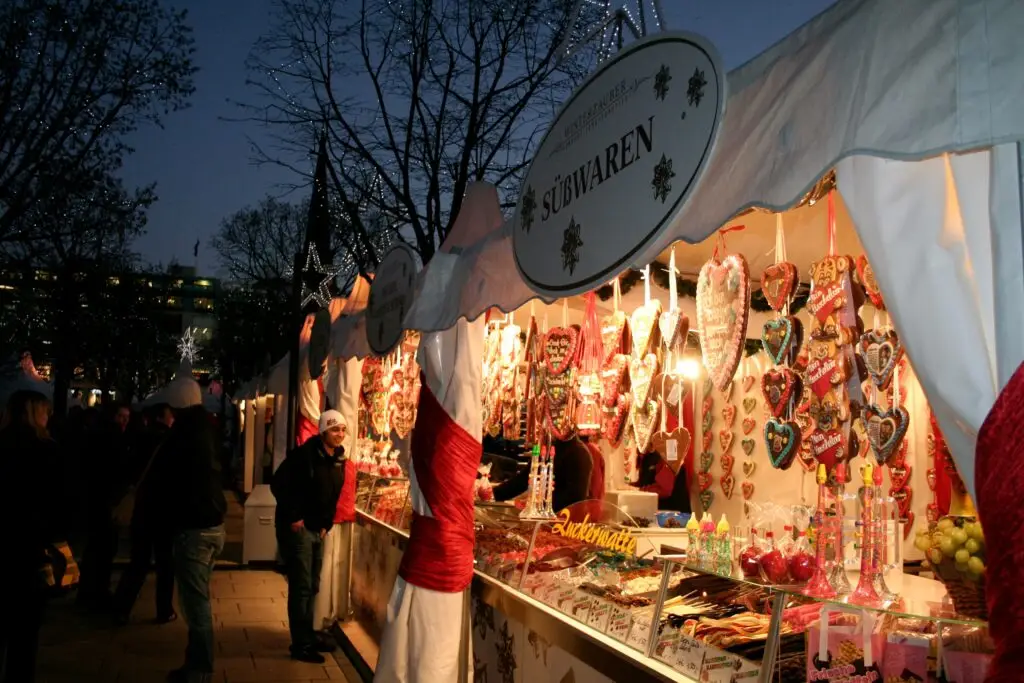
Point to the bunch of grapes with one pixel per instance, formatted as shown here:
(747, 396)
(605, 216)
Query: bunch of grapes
(958, 542)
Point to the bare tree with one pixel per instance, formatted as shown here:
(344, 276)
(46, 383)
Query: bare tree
(76, 78)
(419, 99)
(257, 245)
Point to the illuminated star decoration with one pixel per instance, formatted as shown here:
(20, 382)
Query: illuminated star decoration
(695, 90)
(187, 347)
(571, 243)
(661, 82)
(599, 24)
(663, 175)
(316, 280)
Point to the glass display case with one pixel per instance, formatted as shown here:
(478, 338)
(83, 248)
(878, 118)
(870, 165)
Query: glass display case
(385, 499)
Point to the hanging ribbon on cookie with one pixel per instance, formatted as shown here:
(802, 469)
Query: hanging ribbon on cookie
(723, 309)
(616, 400)
(644, 367)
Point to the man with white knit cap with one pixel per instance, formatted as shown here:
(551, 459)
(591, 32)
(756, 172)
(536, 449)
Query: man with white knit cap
(307, 486)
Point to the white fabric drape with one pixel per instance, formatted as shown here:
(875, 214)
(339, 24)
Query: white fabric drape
(944, 238)
(424, 632)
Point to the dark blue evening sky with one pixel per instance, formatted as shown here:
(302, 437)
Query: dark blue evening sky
(203, 166)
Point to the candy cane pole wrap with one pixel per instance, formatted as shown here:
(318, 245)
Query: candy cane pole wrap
(426, 636)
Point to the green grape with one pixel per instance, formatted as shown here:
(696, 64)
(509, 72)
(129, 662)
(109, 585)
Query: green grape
(975, 566)
(945, 524)
(962, 567)
(922, 543)
(948, 547)
(961, 557)
(959, 536)
(934, 555)
(976, 533)
(922, 531)
(972, 546)
(937, 537)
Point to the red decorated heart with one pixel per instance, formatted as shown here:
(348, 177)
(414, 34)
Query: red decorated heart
(704, 480)
(725, 439)
(674, 326)
(723, 303)
(823, 374)
(932, 513)
(903, 498)
(706, 406)
(728, 483)
(561, 344)
(805, 457)
(727, 462)
(748, 490)
(748, 424)
(706, 440)
(612, 424)
(729, 414)
(613, 379)
(613, 331)
(642, 324)
(899, 476)
(931, 479)
(778, 284)
(778, 386)
(866, 275)
(828, 447)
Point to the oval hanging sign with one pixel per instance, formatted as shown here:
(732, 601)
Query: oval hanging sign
(618, 163)
(391, 295)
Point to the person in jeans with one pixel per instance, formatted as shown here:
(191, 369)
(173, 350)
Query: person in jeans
(150, 537)
(185, 483)
(307, 486)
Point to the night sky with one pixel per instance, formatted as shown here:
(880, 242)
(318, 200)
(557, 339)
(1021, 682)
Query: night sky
(203, 166)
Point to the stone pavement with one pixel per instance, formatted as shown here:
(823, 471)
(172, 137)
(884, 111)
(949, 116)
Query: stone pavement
(252, 639)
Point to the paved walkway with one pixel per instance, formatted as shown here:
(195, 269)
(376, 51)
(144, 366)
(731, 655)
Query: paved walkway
(252, 640)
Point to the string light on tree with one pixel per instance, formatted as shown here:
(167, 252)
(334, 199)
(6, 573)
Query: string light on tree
(601, 23)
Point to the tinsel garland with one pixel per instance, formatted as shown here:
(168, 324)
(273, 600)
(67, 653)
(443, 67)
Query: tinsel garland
(659, 277)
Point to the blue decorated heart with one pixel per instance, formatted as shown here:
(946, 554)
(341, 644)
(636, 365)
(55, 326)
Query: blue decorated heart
(780, 337)
(886, 429)
(782, 438)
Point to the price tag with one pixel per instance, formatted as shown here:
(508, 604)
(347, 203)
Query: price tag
(671, 450)
(639, 634)
(720, 667)
(581, 607)
(665, 648)
(618, 624)
(565, 598)
(600, 610)
(689, 657)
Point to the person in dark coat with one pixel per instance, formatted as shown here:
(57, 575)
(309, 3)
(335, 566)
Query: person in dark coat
(151, 537)
(29, 487)
(185, 485)
(655, 476)
(307, 486)
(106, 470)
(572, 464)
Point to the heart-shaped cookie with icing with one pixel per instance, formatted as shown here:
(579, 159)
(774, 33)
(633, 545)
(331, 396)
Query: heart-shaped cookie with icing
(613, 423)
(642, 325)
(681, 437)
(748, 468)
(560, 420)
(725, 439)
(781, 338)
(728, 484)
(747, 445)
(747, 488)
(748, 382)
(899, 475)
(903, 498)
(561, 346)
(729, 414)
(886, 429)
(704, 480)
(644, 425)
(805, 457)
(778, 386)
(778, 284)
(707, 497)
(613, 333)
(706, 422)
(828, 447)
(641, 378)
(727, 462)
(931, 513)
(782, 440)
(723, 303)
(748, 425)
(828, 286)
(881, 352)
(674, 327)
(931, 478)
(707, 387)
(706, 460)
(749, 404)
(706, 440)
(866, 275)
(613, 379)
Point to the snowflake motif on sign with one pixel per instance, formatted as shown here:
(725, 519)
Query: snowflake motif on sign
(663, 175)
(529, 206)
(661, 82)
(322, 275)
(506, 655)
(571, 243)
(695, 89)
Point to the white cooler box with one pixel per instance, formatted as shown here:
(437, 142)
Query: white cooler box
(634, 503)
(259, 543)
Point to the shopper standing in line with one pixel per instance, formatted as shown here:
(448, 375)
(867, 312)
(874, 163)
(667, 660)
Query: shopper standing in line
(307, 486)
(185, 481)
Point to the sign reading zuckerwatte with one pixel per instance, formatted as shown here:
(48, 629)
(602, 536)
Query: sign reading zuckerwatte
(618, 163)
(391, 296)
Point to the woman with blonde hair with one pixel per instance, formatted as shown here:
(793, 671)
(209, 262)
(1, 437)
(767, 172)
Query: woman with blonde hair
(29, 474)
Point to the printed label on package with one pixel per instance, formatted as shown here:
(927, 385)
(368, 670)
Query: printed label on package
(689, 656)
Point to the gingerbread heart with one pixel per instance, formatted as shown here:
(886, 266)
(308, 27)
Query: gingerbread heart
(859, 432)
(805, 457)
(931, 513)
(866, 275)
(824, 373)
(903, 498)
(641, 377)
(748, 425)
(828, 447)
(561, 345)
(706, 422)
(642, 324)
(613, 379)
(681, 437)
(706, 460)
(613, 423)
(727, 462)
(886, 430)
(723, 303)
(644, 424)
(560, 421)
(930, 475)
(748, 468)
(899, 475)
(779, 386)
(706, 406)
(748, 490)
(729, 414)
(781, 338)
(778, 284)
(706, 440)
(881, 352)
(728, 483)
(708, 386)
(748, 405)
(782, 439)
(828, 290)
(748, 382)
(706, 499)
(725, 439)
(747, 445)
(727, 391)
(704, 480)
(613, 332)
(674, 326)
